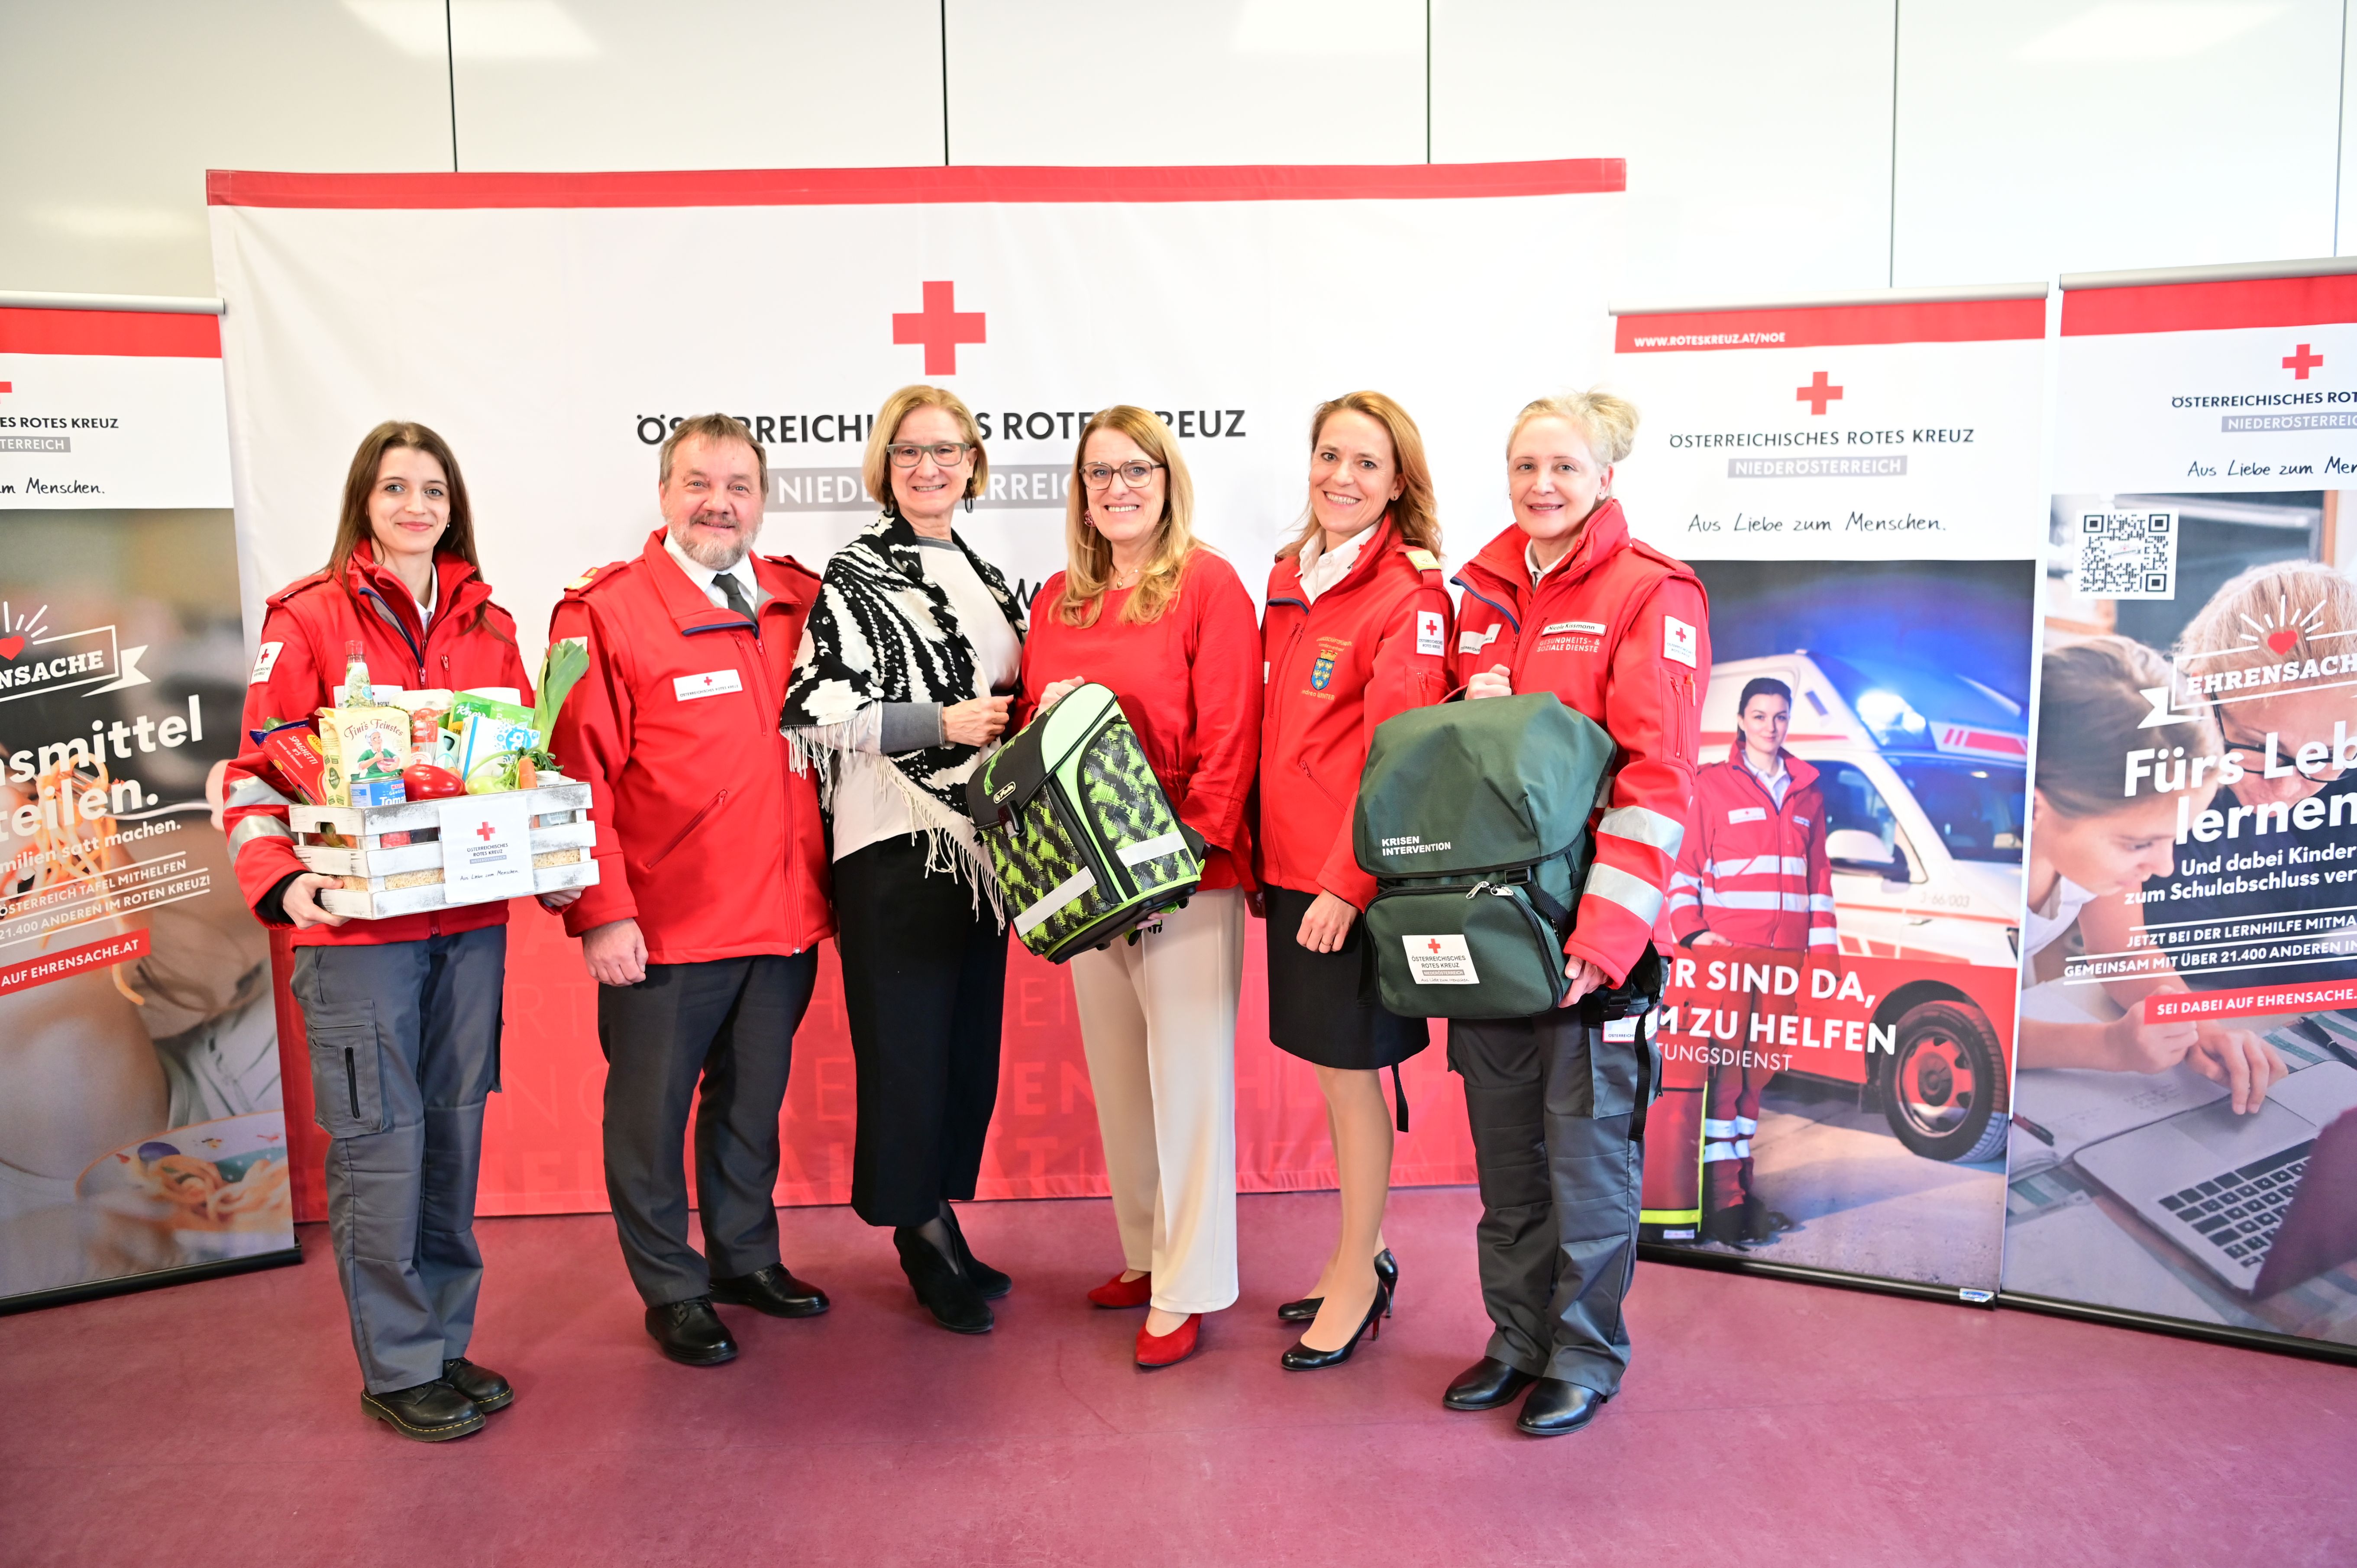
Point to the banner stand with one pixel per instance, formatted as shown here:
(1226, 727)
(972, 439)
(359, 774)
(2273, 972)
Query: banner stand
(125, 1285)
(2184, 1328)
(1801, 1273)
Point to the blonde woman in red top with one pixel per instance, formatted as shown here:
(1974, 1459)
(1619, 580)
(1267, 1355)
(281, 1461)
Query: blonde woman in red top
(1166, 623)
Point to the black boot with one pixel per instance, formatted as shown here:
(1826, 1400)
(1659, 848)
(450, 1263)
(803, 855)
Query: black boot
(490, 1390)
(987, 1280)
(429, 1412)
(941, 1285)
(1555, 1408)
(1486, 1384)
(1761, 1223)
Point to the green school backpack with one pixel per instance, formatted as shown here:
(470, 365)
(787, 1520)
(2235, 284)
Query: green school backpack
(1083, 841)
(1472, 818)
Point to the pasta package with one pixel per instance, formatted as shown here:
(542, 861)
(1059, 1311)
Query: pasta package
(365, 752)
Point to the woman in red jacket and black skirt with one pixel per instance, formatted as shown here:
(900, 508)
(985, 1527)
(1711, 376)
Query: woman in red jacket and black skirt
(1166, 623)
(401, 1014)
(1357, 630)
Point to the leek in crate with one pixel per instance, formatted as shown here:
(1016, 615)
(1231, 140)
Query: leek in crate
(1083, 841)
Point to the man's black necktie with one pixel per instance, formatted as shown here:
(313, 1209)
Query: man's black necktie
(726, 583)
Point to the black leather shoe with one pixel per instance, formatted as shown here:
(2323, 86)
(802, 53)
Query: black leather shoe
(430, 1412)
(941, 1289)
(773, 1290)
(1302, 1357)
(1302, 1311)
(691, 1333)
(1486, 1385)
(990, 1281)
(490, 1390)
(1556, 1408)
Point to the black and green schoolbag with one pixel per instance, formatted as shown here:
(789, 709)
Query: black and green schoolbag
(1084, 839)
(1472, 819)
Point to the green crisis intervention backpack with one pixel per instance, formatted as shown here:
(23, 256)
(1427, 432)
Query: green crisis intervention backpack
(1083, 841)
(1472, 819)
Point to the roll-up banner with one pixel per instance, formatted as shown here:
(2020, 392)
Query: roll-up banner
(555, 326)
(141, 1135)
(1855, 480)
(2185, 1131)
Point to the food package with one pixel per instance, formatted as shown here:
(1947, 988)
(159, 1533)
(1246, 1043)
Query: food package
(294, 750)
(365, 751)
(425, 711)
(488, 748)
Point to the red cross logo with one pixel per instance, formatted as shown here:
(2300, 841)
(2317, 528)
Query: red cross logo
(941, 327)
(8, 386)
(1433, 943)
(484, 833)
(1817, 394)
(2299, 362)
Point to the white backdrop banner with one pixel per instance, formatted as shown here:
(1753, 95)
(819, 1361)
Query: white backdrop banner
(109, 409)
(552, 327)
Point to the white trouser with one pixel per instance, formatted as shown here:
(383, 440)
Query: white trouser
(1160, 1023)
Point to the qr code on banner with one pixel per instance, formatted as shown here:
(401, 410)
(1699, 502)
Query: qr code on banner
(2127, 554)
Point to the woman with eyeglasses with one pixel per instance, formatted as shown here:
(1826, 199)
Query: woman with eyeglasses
(907, 662)
(1166, 623)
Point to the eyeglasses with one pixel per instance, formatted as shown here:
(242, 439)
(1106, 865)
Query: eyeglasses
(1097, 476)
(947, 454)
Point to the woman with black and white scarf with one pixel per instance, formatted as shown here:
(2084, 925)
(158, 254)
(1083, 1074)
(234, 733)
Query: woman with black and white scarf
(900, 686)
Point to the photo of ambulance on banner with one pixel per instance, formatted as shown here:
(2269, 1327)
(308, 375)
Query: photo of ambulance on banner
(140, 1125)
(2185, 1127)
(1854, 482)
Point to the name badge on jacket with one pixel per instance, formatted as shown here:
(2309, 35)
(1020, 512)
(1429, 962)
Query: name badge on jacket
(1748, 814)
(711, 683)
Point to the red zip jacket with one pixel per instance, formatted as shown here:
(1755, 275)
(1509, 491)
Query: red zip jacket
(1752, 871)
(1190, 682)
(305, 634)
(707, 836)
(1374, 644)
(1620, 632)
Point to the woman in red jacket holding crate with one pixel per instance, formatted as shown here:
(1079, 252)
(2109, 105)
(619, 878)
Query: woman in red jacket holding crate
(401, 1014)
(1565, 601)
(1357, 630)
(1166, 625)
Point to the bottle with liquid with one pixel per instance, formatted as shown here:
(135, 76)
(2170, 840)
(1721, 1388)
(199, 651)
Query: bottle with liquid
(358, 692)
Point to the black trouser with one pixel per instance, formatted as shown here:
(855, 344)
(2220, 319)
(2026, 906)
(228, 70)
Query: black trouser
(404, 1043)
(1549, 1099)
(924, 983)
(729, 1023)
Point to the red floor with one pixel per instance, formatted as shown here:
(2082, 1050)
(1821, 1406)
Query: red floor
(1763, 1422)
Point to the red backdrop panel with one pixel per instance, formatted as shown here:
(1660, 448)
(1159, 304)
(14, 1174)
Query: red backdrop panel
(540, 1132)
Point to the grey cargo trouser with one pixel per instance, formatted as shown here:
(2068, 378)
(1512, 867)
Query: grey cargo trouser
(1550, 1099)
(404, 1044)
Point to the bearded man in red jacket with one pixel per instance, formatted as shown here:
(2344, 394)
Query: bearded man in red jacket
(703, 928)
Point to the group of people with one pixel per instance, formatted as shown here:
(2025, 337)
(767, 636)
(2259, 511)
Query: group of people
(777, 756)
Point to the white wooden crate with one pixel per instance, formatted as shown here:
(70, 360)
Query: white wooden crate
(559, 822)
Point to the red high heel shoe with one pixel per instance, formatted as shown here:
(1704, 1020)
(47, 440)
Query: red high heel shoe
(1169, 1349)
(1117, 1292)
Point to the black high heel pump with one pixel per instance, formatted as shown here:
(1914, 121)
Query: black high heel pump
(1302, 1311)
(1302, 1359)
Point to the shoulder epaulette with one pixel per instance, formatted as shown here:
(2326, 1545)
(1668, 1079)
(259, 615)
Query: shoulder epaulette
(581, 586)
(299, 585)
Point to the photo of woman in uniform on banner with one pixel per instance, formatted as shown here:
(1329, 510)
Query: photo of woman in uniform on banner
(2185, 1127)
(1837, 1032)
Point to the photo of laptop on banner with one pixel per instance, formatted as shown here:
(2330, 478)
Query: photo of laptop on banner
(2264, 1201)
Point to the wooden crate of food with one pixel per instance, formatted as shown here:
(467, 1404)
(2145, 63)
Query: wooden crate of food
(390, 857)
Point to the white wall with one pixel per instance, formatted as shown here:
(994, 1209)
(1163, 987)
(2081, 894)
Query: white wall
(1805, 146)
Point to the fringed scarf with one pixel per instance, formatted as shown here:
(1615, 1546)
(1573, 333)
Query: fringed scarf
(881, 631)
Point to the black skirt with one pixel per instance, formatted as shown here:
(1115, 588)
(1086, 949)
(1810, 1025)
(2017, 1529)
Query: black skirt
(1321, 1005)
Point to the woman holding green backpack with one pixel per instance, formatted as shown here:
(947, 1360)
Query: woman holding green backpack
(1166, 624)
(1566, 601)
